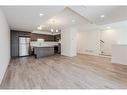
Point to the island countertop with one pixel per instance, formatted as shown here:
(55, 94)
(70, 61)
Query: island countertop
(43, 46)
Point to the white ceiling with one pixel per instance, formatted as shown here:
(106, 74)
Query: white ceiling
(93, 13)
(27, 18)
(63, 20)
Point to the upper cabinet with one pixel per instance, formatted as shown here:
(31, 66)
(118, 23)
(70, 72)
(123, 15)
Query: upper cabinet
(57, 37)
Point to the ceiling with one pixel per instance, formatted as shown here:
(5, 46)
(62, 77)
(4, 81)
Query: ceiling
(93, 13)
(65, 18)
(26, 18)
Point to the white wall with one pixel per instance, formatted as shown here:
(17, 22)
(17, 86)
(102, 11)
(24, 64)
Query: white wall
(119, 54)
(88, 42)
(89, 39)
(4, 45)
(116, 35)
(69, 42)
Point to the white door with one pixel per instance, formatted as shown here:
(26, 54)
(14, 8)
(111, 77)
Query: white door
(107, 38)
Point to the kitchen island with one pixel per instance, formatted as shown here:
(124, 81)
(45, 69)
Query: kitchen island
(42, 51)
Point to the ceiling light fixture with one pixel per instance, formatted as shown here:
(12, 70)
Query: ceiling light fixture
(51, 30)
(56, 30)
(41, 14)
(102, 16)
(73, 20)
(39, 28)
(108, 27)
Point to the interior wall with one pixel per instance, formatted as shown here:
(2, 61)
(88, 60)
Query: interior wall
(116, 35)
(88, 42)
(4, 45)
(69, 42)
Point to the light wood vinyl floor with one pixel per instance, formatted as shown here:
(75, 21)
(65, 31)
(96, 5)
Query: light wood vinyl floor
(59, 72)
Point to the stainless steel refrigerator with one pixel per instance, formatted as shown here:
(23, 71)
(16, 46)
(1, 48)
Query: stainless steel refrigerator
(24, 46)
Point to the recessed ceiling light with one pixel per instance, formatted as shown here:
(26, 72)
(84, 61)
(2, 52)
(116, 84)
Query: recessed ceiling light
(41, 14)
(39, 28)
(51, 30)
(56, 30)
(102, 16)
(73, 20)
(108, 27)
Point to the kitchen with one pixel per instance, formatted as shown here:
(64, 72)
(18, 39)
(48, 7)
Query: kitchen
(25, 43)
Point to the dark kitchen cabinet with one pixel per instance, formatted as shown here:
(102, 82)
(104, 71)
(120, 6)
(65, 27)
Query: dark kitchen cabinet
(34, 37)
(57, 37)
(15, 41)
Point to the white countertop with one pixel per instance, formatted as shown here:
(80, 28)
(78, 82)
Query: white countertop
(43, 44)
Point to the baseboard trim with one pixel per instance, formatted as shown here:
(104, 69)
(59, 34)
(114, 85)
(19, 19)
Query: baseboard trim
(5, 72)
(98, 55)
